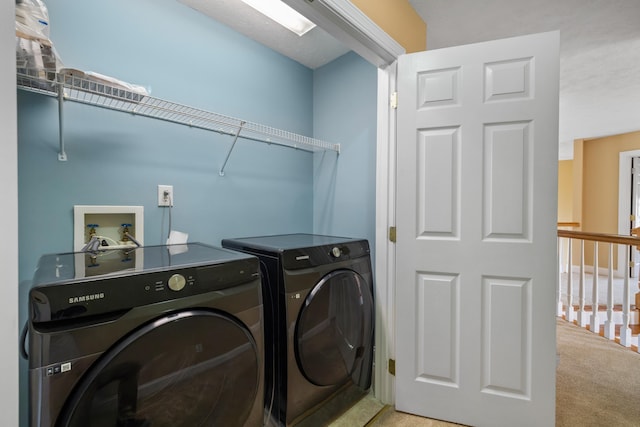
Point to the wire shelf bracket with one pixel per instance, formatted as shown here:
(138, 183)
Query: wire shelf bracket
(233, 144)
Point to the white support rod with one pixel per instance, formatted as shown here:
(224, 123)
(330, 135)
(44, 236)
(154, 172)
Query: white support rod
(582, 316)
(595, 321)
(235, 139)
(625, 331)
(62, 155)
(570, 313)
(609, 325)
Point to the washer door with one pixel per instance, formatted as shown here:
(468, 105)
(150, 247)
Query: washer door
(334, 332)
(192, 368)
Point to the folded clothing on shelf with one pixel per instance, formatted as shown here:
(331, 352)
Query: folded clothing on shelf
(35, 53)
(101, 78)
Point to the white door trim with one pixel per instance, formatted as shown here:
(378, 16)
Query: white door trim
(384, 384)
(9, 406)
(624, 204)
(348, 24)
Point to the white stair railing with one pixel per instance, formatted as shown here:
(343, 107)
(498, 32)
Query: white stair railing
(591, 317)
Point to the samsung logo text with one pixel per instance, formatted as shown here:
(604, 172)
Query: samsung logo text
(85, 298)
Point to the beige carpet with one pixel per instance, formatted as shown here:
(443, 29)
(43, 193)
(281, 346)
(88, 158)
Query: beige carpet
(597, 384)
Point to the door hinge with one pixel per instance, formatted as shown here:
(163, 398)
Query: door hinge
(632, 264)
(392, 234)
(632, 218)
(392, 367)
(394, 100)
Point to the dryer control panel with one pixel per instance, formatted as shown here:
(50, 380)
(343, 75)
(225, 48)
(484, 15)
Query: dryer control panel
(321, 255)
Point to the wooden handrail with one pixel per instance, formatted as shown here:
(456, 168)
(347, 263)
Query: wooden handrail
(600, 237)
(568, 224)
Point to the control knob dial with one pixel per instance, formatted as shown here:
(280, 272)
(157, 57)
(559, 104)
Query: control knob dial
(336, 252)
(177, 282)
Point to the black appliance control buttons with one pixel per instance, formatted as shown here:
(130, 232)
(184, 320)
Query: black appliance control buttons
(336, 252)
(177, 282)
(58, 369)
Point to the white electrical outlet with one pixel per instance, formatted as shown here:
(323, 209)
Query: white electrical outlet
(165, 195)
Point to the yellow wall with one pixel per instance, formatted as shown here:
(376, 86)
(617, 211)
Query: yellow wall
(565, 191)
(600, 180)
(398, 19)
(577, 180)
(595, 187)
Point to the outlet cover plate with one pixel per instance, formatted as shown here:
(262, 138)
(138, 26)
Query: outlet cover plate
(168, 200)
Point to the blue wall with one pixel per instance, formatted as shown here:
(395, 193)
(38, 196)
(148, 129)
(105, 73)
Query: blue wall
(344, 106)
(119, 159)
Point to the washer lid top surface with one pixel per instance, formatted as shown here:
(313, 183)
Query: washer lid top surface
(283, 242)
(64, 267)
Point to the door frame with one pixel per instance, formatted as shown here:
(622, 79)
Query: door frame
(9, 329)
(385, 255)
(624, 204)
(349, 25)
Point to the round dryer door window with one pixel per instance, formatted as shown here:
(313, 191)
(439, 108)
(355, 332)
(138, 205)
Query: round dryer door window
(335, 328)
(192, 368)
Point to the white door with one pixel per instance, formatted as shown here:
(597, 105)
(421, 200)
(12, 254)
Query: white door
(476, 250)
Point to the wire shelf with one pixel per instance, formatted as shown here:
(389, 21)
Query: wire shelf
(92, 91)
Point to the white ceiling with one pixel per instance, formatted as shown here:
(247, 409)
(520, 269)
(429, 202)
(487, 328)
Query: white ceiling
(599, 49)
(599, 53)
(312, 50)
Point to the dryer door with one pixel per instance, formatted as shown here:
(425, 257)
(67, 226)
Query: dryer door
(334, 332)
(192, 368)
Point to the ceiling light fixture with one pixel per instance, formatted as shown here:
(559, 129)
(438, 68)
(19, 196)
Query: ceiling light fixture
(282, 14)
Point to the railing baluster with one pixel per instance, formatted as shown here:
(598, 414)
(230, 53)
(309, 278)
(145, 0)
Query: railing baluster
(595, 321)
(582, 316)
(609, 326)
(625, 331)
(570, 312)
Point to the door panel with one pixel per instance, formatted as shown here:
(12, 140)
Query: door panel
(507, 186)
(476, 232)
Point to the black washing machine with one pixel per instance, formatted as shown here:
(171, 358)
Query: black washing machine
(146, 337)
(319, 313)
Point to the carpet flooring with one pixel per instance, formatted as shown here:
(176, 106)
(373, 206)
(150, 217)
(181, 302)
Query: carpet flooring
(597, 380)
(597, 384)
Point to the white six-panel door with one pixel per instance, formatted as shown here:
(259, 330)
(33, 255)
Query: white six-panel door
(477, 154)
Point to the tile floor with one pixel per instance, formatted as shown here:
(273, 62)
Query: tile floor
(370, 412)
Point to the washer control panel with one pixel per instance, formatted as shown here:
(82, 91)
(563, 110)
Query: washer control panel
(108, 294)
(159, 283)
